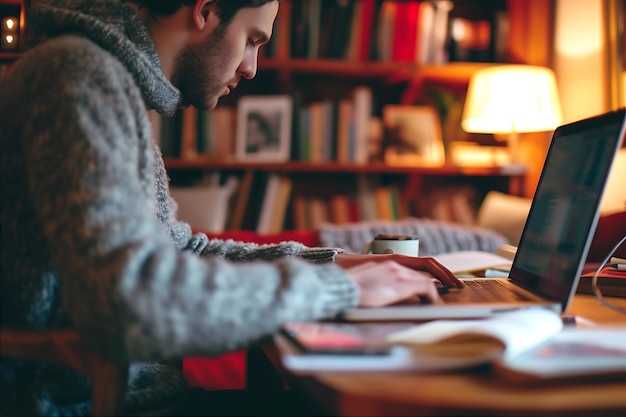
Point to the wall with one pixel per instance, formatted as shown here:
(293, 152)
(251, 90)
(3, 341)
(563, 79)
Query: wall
(580, 58)
(589, 56)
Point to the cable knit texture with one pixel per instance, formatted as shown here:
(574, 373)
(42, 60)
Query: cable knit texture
(89, 234)
(435, 236)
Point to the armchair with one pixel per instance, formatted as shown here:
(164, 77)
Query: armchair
(64, 347)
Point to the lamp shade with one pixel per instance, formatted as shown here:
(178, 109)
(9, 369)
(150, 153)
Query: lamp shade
(511, 98)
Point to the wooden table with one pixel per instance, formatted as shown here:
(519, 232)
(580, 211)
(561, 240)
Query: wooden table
(463, 393)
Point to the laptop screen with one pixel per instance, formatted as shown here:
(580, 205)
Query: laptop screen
(565, 210)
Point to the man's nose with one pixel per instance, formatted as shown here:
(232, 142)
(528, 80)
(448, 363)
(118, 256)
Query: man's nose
(248, 66)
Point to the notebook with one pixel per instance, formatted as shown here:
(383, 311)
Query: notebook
(556, 237)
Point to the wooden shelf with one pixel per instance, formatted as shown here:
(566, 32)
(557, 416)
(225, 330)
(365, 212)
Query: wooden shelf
(337, 68)
(6, 56)
(332, 167)
(456, 72)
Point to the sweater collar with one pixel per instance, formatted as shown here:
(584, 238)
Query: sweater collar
(116, 28)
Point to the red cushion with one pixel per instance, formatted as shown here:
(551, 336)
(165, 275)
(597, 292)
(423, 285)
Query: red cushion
(228, 371)
(611, 228)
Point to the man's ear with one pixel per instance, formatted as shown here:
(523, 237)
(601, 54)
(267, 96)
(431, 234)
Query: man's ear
(204, 13)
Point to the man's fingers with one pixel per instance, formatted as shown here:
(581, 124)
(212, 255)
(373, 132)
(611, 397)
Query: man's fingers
(440, 272)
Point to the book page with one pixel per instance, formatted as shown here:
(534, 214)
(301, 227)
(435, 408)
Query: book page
(470, 261)
(507, 334)
(594, 353)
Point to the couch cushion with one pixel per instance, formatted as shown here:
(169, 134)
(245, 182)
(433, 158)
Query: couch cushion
(436, 236)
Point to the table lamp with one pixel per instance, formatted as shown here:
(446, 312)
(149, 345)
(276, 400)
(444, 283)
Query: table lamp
(511, 99)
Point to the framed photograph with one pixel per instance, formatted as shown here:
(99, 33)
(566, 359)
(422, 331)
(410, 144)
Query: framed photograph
(264, 128)
(412, 136)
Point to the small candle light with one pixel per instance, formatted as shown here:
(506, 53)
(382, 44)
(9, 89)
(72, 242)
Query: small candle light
(9, 23)
(9, 31)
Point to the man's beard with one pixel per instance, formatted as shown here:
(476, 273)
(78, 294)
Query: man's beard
(198, 71)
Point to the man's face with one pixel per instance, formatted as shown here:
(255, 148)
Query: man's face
(211, 68)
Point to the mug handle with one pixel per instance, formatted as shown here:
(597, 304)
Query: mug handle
(368, 247)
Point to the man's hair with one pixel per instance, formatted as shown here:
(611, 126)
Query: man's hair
(225, 9)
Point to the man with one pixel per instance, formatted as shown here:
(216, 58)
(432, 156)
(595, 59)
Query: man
(89, 233)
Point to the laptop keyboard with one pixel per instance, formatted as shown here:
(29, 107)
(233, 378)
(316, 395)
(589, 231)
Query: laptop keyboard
(491, 290)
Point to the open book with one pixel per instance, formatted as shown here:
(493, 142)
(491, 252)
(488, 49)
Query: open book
(468, 262)
(525, 345)
(310, 347)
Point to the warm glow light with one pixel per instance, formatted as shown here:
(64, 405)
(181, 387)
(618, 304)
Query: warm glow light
(9, 33)
(578, 27)
(512, 98)
(624, 88)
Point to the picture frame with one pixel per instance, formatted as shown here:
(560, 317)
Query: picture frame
(412, 136)
(263, 131)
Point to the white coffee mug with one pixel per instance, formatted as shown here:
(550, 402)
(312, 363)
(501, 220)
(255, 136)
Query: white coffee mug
(403, 244)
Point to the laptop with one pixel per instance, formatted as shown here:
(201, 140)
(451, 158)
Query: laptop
(556, 236)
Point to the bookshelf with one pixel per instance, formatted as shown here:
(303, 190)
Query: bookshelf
(392, 81)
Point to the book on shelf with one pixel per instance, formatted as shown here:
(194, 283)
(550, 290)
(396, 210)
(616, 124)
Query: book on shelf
(314, 16)
(433, 31)
(339, 29)
(301, 214)
(344, 130)
(279, 45)
(368, 21)
(385, 23)
(236, 219)
(318, 212)
(361, 28)
(222, 135)
(279, 213)
(366, 198)
(404, 38)
(334, 130)
(383, 203)
(169, 135)
(255, 201)
(204, 132)
(339, 208)
(327, 13)
(192, 133)
(189, 133)
(316, 135)
(268, 206)
(299, 29)
(362, 97)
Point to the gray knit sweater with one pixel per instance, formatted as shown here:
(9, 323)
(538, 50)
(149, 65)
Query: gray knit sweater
(89, 234)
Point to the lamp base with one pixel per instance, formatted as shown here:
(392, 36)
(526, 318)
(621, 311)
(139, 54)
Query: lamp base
(514, 148)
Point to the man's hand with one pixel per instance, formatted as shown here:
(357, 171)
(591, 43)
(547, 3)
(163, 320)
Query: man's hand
(386, 279)
(426, 264)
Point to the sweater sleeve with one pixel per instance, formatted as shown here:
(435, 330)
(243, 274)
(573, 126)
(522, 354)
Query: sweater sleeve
(124, 282)
(245, 251)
